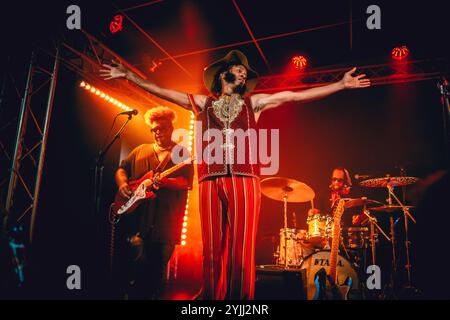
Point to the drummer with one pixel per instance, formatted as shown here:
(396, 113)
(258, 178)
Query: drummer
(340, 187)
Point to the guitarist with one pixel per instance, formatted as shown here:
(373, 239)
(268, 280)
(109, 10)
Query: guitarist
(154, 228)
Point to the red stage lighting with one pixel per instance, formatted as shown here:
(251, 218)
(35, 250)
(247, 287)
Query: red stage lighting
(155, 66)
(400, 53)
(299, 62)
(116, 24)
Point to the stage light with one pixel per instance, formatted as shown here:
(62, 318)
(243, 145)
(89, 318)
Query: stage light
(155, 66)
(183, 243)
(103, 95)
(400, 53)
(184, 230)
(185, 224)
(185, 218)
(183, 236)
(299, 62)
(186, 212)
(116, 24)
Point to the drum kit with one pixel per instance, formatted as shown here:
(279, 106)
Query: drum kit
(309, 249)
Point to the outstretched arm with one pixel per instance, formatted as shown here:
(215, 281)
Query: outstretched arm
(177, 97)
(262, 102)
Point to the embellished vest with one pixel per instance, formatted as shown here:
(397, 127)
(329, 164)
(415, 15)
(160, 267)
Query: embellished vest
(226, 132)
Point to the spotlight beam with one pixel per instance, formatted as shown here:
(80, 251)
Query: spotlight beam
(275, 36)
(251, 34)
(156, 44)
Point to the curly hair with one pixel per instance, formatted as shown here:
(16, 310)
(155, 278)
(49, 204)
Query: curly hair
(159, 113)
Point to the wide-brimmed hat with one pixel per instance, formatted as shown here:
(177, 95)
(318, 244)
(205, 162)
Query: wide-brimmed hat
(232, 57)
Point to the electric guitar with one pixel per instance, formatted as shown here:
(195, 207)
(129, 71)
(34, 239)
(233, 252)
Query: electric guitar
(141, 190)
(334, 291)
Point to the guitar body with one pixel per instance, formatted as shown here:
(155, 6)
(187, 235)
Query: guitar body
(141, 190)
(318, 284)
(325, 280)
(327, 289)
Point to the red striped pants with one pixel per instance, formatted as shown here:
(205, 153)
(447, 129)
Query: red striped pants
(229, 211)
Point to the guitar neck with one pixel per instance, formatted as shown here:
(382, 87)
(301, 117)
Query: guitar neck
(334, 250)
(335, 240)
(175, 168)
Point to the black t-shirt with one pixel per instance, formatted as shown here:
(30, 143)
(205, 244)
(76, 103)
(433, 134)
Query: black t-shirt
(160, 219)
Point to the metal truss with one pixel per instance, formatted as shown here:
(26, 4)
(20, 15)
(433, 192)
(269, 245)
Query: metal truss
(28, 155)
(85, 54)
(380, 74)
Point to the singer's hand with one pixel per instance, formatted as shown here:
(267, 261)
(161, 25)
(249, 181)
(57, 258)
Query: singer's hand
(355, 82)
(118, 71)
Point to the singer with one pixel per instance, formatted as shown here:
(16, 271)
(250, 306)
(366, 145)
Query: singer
(153, 230)
(230, 194)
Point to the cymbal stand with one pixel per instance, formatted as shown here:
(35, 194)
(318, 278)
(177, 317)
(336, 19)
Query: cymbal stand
(406, 214)
(285, 197)
(374, 223)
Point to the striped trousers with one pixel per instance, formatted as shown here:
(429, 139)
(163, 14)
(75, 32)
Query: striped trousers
(229, 211)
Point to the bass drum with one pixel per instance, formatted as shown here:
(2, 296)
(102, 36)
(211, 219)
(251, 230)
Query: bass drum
(321, 259)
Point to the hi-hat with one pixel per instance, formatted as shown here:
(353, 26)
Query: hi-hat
(388, 181)
(277, 188)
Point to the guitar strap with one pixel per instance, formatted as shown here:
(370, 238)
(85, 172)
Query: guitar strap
(164, 162)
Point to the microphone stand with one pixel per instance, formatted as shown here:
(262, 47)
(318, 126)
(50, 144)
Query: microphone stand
(99, 167)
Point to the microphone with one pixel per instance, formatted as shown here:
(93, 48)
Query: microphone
(362, 176)
(129, 113)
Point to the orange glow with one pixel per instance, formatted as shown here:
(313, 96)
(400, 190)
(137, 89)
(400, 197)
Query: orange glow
(400, 53)
(299, 62)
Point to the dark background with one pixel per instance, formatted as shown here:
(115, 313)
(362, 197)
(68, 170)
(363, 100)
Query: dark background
(374, 131)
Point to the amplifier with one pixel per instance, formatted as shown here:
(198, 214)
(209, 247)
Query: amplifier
(273, 282)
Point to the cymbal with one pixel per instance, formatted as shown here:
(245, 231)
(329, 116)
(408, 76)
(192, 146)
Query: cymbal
(390, 208)
(360, 202)
(277, 188)
(392, 181)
